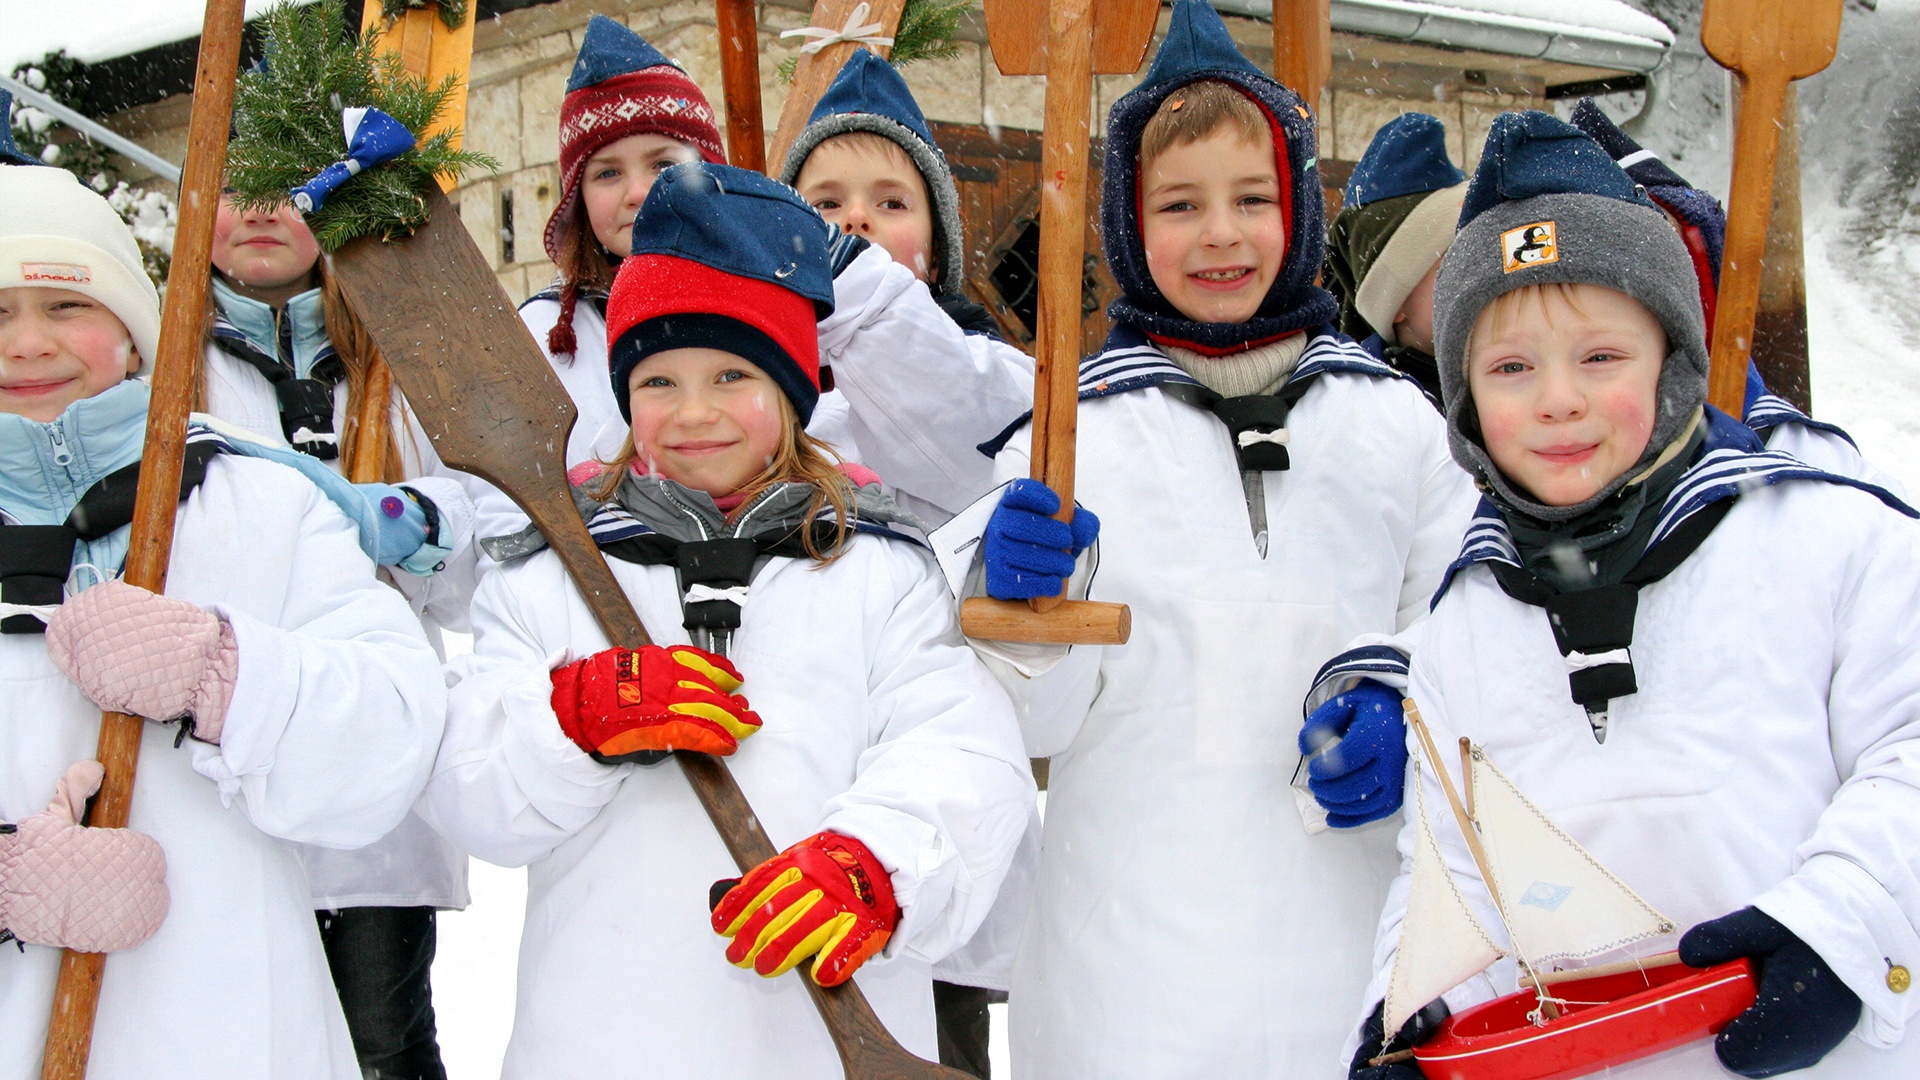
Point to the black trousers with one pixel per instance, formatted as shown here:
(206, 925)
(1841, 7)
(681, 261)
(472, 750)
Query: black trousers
(381, 959)
(960, 1017)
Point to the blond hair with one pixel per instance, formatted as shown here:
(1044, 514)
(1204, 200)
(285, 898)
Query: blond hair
(1196, 111)
(798, 458)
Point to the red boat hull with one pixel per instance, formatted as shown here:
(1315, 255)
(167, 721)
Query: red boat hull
(1639, 1013)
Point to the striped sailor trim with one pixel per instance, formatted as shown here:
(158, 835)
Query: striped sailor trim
(613, 523)
(1730, 467)
(1769, 411)
(1368, 661)
(1130, 362)
(234, 341)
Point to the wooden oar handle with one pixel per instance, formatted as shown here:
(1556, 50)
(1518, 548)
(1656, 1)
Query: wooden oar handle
(739, 29)
(1073, 622)
(1749, 204)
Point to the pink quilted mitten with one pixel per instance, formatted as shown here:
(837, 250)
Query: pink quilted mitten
(90, 890)
(148, 655)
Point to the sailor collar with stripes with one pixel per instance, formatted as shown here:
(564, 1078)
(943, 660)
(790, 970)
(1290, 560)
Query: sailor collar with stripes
(1732, 461)
(1129, 361)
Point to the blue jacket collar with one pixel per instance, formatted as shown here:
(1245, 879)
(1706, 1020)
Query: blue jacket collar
(245, 320)
(45, 468)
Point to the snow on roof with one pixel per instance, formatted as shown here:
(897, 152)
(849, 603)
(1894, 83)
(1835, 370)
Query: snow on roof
(1597, 33)
(97, 30)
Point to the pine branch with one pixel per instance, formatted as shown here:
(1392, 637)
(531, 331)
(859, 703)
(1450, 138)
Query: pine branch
(287, 126)
(452, 12)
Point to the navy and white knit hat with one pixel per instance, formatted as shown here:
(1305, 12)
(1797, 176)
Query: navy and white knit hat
(869, 95)
(1407, 157)
(9, 150)
(1666, 187)
(1199, 49)
(1548, 205)
(724, 258)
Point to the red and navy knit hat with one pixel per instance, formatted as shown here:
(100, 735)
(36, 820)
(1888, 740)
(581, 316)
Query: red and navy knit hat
(623, 86)
(724, 258)
(1199, 49)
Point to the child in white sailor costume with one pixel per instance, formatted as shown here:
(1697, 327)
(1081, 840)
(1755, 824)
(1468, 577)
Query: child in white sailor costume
(885, 754)
(273, 640)
(1696, 655)
(1268, 491)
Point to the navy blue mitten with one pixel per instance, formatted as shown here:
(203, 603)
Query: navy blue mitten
(843, 248)
(1027, 551)
(1363, 777)
(1803, 1010)
(1419, 1027)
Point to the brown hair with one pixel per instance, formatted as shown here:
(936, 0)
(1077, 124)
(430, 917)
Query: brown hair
(1196, 111)
(799, 458)
(353, 345)
(583, 264)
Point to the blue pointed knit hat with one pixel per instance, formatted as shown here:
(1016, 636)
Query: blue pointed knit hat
(1199, 49)
(9, 150)
(609, 49)
(1668, 188)
(1406, 157)
(1547, 205)
(869, 95)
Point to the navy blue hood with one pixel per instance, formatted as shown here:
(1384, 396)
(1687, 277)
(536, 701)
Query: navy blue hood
(1199, 49)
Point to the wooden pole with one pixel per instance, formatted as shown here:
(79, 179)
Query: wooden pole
(1303, 47)
(431, 50)
(815, 71)
(77, 995)
(1767, 45)
(740, 82)
(1780, 326)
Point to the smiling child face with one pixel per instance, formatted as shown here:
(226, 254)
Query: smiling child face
(58, 346)
(1564, 380)
(262, 249)
(869, 187)
(705, 418)
(1211, 225)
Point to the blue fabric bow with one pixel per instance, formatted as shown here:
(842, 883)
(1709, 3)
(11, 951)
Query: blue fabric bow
(373, 138)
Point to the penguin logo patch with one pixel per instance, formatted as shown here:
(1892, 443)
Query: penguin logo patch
(1529, 245)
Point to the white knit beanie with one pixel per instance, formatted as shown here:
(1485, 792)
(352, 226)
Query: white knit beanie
(57, 233)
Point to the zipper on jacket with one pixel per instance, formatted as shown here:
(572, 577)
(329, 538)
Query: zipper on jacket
(62, 453)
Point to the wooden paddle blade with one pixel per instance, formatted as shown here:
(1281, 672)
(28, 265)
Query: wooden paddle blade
(499, 412)
(1794, 40)
(1122, 30)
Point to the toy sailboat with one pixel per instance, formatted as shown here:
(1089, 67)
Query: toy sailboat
(1557, 903)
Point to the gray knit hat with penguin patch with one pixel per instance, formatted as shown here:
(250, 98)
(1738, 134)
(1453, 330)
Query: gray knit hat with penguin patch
(869, 95)
(1548, 205)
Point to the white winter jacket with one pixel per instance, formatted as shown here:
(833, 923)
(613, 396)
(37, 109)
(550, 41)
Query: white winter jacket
(879, 723)
(1771, 755)
(235, 984)
(414, 866)
(1187, 923)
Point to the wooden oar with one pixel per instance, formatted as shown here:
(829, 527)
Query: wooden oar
(493, 407)
(1068, 41)
(1303, 47)
(431, 50)
(157, 496)
(1766, 44)
(816, 70)
(740, 82)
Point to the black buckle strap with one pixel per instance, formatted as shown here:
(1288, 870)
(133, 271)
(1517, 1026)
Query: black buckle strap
(1590, 624)
(306, 416)
(34, 563)
(1256, 424)
(719, 564)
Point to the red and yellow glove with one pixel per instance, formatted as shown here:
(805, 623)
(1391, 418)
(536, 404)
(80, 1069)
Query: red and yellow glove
(826, 897)
(620, 703)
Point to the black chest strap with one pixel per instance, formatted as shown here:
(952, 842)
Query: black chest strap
(1594, 627)
(35, 560)
(1257, 424)
(306, 405)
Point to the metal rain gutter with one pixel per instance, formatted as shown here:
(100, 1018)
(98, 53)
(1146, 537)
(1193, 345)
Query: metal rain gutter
(1425, 23)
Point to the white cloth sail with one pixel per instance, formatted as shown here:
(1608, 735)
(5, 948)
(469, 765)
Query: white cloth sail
(1557, 900)
(1442, 944)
